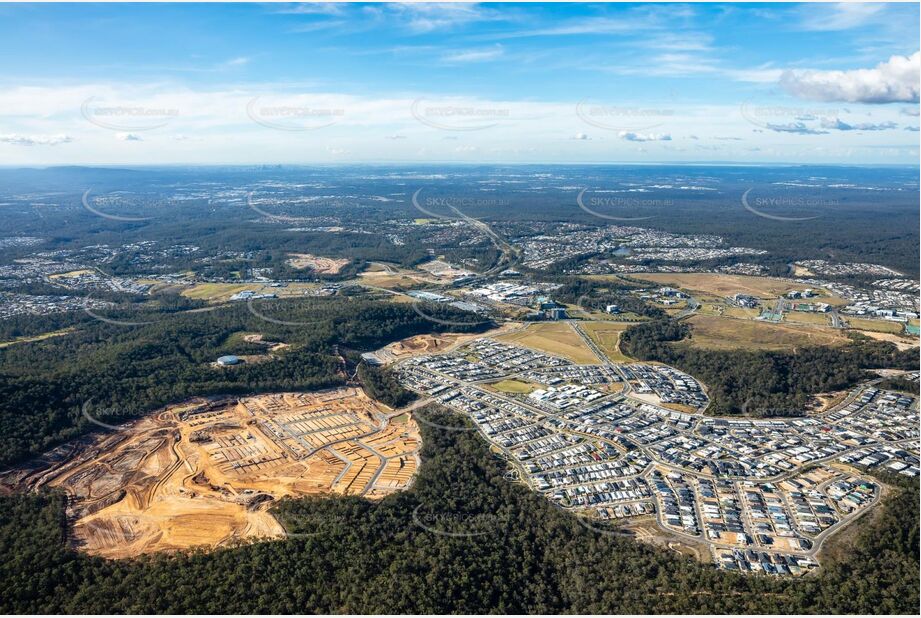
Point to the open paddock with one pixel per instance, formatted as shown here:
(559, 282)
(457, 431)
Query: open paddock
(719, 333)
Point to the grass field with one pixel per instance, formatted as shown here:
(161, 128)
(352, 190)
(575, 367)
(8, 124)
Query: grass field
(576, 311)
(72, 274)
(388, 281)
(556, 338)
(879, 326)
(221, 292)
(514, 387)
(606, 336)
(214, 291)
(740, 312)
(716, 333)
(722, 285)
(42, 337)
(821, 319)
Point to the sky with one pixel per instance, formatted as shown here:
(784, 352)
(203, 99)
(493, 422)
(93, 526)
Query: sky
(458, 83)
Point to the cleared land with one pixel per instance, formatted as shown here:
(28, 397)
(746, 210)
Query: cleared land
(556, 338)
(716, 333)
(221, 292)
(433, 344)
(606, 336)
(316, 263)
(206, 472)
(390, 277)
(442, 269)
(42, 337)
(723, 285)
(902, 342)
(879, 326)
(822, 319)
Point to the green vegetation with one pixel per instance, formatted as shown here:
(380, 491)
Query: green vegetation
(382, 385)
(355, 556)
(127, 371)
(762, 382)
(594, 295)
(900, 384)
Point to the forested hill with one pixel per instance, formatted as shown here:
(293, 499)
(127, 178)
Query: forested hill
(760, 382)
(159, 358)
(513, 552)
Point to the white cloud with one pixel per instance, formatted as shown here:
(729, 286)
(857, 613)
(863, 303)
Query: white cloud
(590, 25)
(630, 136)
(798, 128)
(128, 137)
(893, 81)
(840, 125)
(423, 17)
(236, 62)
(313, 8)
(842, 16)
(210, 118)
(35, 140)
(474, 55)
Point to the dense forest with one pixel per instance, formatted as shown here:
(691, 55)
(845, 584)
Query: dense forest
(382, 385)
(159, 358)
(759, 382)
(512, 552)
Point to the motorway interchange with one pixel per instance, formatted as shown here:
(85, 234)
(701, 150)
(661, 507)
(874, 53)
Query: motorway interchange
(619, 441)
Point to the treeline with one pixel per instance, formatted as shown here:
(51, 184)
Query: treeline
(763, 383)
(899, 383)
(155, 358)
(511, 552)
(593, 295)
(381, 384)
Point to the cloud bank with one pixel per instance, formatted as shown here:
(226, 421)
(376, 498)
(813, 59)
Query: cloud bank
(893, 81)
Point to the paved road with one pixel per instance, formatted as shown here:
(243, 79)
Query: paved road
(691, 309)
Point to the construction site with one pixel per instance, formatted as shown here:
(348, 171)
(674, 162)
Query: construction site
(205, 473)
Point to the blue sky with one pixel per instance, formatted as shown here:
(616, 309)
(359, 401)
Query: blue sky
(343, 83)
